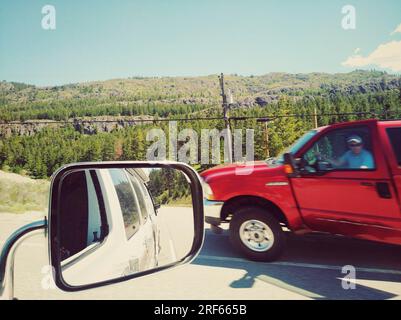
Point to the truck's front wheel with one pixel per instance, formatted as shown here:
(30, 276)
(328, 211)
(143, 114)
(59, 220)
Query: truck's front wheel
(257, 234)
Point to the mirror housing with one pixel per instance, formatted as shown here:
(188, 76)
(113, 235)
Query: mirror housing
(290, 166)
(56, 229)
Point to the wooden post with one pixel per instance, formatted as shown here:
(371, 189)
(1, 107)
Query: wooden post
(226, 119)
(266, 133)
(315, 117)
(267, 139)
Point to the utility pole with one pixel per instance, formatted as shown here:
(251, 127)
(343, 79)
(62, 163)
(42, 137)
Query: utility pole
(267, 139)
(226, 117)
(315, 117)
(266, 132)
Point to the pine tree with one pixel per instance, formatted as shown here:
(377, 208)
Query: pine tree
(284, 130)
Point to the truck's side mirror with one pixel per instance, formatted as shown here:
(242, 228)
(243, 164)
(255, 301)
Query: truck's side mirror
(290, 166)
(103, 227)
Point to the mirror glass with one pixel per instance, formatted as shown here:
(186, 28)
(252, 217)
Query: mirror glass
(119, 221)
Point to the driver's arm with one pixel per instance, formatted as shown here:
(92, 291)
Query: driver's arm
(368, 162)
(341, 162)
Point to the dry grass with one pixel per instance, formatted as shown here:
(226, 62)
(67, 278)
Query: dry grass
(19, 194)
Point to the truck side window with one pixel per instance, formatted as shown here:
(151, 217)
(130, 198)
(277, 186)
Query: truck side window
(81, 214)
(341, 149)
(149, 199)
(74, 214)
(127, 199)
(394, 134)
(136, 183)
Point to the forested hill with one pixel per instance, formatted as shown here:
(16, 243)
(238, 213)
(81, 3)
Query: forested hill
(290, 100)
(168, 96)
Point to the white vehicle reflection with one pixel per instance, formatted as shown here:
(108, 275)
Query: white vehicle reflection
(108, 213)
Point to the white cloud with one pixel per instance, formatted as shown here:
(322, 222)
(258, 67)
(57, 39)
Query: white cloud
(387, 55)
(357, 50)
(397, 30)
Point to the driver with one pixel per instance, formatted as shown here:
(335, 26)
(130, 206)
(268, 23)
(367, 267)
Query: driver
(356, 157)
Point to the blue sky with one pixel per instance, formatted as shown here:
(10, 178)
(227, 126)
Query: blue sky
(99, 40)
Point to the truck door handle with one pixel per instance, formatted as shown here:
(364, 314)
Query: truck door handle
(367, 184)
(383, 190)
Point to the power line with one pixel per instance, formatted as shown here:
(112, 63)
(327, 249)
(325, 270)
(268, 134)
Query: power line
(239, 118)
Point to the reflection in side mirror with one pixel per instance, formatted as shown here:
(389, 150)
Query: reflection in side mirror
(104, 226)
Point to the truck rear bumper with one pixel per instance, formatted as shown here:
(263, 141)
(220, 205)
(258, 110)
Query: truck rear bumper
(213, 211)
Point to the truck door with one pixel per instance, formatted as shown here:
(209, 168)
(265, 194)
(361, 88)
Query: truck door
(346, 187)
(391, 134)
(130, 253)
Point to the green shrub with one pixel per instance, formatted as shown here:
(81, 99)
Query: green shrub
(19, 197)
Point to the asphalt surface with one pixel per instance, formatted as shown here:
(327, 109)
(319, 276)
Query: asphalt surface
(310, 269)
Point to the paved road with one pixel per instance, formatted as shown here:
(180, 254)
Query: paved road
(176, 237)
(310, 269)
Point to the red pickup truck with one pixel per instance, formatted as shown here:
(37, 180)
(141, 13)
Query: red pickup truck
(343, 179)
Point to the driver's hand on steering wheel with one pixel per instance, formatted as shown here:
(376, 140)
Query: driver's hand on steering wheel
(318, 155)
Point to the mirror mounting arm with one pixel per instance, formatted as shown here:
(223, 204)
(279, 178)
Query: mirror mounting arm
(8, 254)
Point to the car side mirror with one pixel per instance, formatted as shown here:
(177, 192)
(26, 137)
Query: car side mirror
(99, 227)
(290, 165)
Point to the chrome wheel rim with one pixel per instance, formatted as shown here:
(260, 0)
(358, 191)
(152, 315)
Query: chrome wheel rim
(256, 235)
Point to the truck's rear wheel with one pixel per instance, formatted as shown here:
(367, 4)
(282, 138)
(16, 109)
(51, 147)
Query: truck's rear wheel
(257, 234)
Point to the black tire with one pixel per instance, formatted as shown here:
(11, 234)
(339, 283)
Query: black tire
(244, 214)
